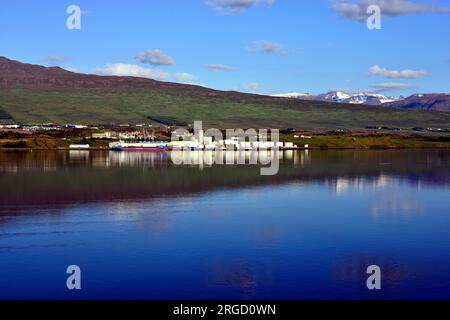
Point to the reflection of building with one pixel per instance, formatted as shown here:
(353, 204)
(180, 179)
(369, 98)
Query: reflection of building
(199, 141)
(225, 157)
(79, 155)
(302, 158)
(79, 146)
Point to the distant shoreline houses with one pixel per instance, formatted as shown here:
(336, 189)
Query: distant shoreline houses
(185, 138)
(198, 141)
(135, 129)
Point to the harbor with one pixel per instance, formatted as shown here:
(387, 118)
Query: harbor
(115, 138)
(233, 144)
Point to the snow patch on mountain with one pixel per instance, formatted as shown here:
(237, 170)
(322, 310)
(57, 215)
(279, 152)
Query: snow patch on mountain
(345, 97)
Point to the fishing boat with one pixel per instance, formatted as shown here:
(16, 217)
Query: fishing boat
(145, 146)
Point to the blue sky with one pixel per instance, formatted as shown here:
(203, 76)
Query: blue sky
(264, 46)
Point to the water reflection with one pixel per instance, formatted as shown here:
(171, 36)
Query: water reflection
(395, 203)
(70, 177)
(12, 162)
(145, 228)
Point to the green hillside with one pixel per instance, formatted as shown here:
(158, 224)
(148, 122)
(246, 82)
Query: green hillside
(42, 106)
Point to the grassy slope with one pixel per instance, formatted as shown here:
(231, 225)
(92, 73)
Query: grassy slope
(373, 141)
(28, 106)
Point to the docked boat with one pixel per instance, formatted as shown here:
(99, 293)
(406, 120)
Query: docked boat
(145, 146)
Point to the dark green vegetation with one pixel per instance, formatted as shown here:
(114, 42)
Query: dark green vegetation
(42, 106)
(14, 145)
(61, 139)
(168, 121)
(4, 116)
(371, 141)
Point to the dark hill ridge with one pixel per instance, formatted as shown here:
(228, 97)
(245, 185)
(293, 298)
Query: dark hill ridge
(55, 78)
(37, 94)
(434, 101)
(15, 73)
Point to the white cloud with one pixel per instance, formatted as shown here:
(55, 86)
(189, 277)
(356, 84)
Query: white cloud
(236, 6)
(267, 47)
(358, 10)
(218, 67)
(56, 59)
(395, 74)
(252, 86)
(392, 86)
(72, 70)
(132, 70)
(184, 77)
(155, 57)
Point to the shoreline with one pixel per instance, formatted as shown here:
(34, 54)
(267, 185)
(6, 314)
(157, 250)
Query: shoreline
(283, 149)
(302, 140)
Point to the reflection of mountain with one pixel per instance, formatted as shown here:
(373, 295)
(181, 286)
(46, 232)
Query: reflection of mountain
(64, 178)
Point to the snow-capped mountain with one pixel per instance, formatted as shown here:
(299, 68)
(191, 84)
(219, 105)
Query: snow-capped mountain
(334, 96)
(344, 97)
(369, 98)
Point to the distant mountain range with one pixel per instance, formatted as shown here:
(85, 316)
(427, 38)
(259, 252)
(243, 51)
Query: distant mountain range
(33, 94)
(436, 101)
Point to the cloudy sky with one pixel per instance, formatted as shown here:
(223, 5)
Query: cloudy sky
(263, 46)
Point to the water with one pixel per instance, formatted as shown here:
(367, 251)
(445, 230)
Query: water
(142, 228)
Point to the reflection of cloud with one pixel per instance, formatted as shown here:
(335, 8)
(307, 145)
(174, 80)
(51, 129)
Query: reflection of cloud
(153, 217)
(396, 204)
(123, 210)
(344, 184)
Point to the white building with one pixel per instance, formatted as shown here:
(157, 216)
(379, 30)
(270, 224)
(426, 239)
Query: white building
(79, 146)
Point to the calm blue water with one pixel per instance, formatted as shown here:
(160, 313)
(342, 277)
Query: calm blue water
(309, 235)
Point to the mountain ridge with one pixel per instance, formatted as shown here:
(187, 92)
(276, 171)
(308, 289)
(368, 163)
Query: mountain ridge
(13, 72)
(37, 94)
(428, 101)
